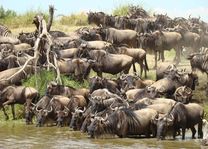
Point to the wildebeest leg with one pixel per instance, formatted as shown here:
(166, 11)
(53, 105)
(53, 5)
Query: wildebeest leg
(178, 55)
(162, 56)
(193, 130)
(141, 68)
(159, 55)
(200, 132)
(6, 115)
(28, 114)
(155, 52)
(183, 133)
(13, 111)
(207, 86)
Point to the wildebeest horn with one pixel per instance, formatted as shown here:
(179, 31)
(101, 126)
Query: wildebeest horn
(106, 116)
(66, 108)
(171, 118)
(33, 104)
(113, 109)
(51, 109)
(84, 109)
(127, 104)
(37, 109)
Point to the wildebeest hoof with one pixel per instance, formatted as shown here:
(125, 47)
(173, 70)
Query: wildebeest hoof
(6, 118)
(14, 118)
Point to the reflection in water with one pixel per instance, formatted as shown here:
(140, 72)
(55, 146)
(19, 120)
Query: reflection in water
(18, 135)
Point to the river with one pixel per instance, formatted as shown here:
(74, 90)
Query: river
(17, 135)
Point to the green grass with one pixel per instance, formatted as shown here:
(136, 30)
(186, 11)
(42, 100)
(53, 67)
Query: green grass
(44, 77)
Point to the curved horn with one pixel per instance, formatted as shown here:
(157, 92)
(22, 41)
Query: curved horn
(113, 109)
(51, 109)
(106, 116)
(171, 117)
(33, 104)
(127, 104)
(66, 108)
(37, 109)
(84, 109)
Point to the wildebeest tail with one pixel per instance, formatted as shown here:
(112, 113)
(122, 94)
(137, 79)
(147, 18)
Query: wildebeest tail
(134, 67)
(145, 63)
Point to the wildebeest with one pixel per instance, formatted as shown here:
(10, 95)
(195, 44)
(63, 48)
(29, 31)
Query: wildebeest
(77, 119)
(96, 18)
(183, 94)
(56, 89)
(43, 110)
(139, 56)
(123, 123)
(127, 81)
(5, 76)
(78, 68)
(100, 83)
(181, 116)
(199, 61)
(159, 41)
(68, 53)
(148, 101)
(12, 95)
(110, 63)
(120, 37)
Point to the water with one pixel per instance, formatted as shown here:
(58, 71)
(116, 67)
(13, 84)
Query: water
(15, 135)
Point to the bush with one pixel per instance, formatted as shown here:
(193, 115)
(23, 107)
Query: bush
(79, 19)
(11, 19)
(121, 10)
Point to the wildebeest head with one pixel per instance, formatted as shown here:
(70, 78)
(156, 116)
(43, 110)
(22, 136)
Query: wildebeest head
(95, 83)
(54, 89)
(189, 79)
(96, 18)
(96, 127)
(127, 82)
(77, 119)
(29, 38)
(183, 94)
(162, 124)
(61, 115)
(152, 92)
(82, 68)
(41, 115)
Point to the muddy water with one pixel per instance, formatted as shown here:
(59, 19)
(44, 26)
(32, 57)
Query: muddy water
(19, 136)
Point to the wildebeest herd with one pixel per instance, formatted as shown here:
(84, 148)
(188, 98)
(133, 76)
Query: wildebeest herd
(126, 106)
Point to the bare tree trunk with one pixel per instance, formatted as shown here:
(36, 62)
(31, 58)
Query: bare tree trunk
(50, 21)
(43, 40)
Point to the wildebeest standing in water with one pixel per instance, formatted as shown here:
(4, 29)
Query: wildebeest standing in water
(181, 116)
(124, 123)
